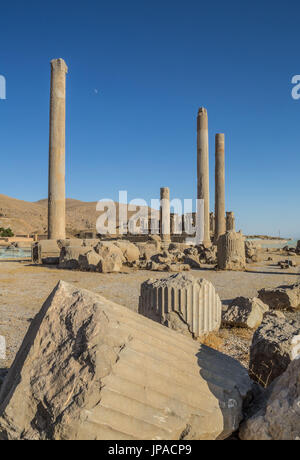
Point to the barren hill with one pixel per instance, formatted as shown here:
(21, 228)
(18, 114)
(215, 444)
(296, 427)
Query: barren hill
(24, 217)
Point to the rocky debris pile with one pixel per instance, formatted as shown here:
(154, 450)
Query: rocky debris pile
(244, 312)
(177, 257)
(275, 344)
(298, 247)
(208, 255)
(285, 264)
(253, 251)
(89, 369)
(111, 256)
(104, 257)
(278, 415)
(183, 303)
(231, 251)
(282, 297)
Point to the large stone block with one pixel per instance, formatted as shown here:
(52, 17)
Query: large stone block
(129, 250)
(282, 297)
(69, 257)
(244, 312)
(90, 261)
(231, 251)
(193, 302)
(91, 369)
(275, 344)
(46, 252)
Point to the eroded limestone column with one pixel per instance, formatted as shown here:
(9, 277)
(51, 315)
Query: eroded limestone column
(165, 217)
(203, 169)
(230, 221)
(220, 223)
(57, 193)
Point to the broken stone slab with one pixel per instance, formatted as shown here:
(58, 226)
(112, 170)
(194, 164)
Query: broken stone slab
(244, 312)
(193, 300)
(278, 417)
(275, 344)
(89, 369)
(129, 250)
(112, 258)
(69, 257)
(89, 262)
(147, 250)
(45, 252)
(282, 297)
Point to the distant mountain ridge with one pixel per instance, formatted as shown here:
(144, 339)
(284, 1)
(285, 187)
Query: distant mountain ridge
(25, 217)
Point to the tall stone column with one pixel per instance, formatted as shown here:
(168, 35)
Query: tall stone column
(57, 192)
(203, 169)
(220, 225)
(165, 217)
(212, 223)
(230, 221)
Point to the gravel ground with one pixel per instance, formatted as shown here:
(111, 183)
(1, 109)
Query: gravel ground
(24, 287)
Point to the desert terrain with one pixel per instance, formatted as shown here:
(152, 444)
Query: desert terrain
(25, 286)
(24, 217)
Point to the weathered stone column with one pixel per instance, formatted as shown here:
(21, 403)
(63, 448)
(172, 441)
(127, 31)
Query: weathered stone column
(220, 225)
(212, 222)
(165, 217)
(57, 193)
(230, 221)
(203, 169)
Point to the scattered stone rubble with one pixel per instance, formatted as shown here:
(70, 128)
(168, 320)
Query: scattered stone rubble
(183, 303)
(111, 256)
(275, 344)
(91, 369)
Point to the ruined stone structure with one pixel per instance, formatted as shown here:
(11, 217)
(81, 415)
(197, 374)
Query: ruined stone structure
(203, 168)
(220, 227)
(57, 193)
(124, 378)
(230, 221)
(231, 251)
(183, 303)
(165, 217)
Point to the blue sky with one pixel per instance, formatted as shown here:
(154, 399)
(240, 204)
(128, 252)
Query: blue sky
(153, 64)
